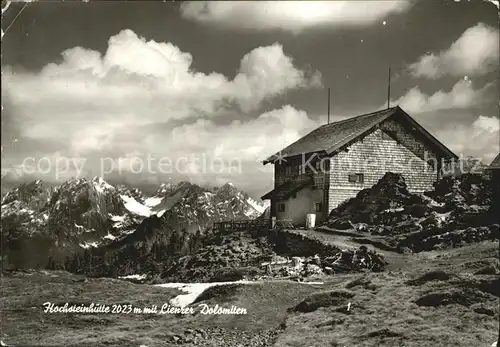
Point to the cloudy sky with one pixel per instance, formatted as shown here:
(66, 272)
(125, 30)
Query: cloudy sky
(150, 92)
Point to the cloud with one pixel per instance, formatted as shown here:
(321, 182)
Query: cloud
(474, 53)
(152, 72)
(206, 151)
(250, 140)
(289, 15)
(479, 139)
(143, 98)
(202, 151)
(461, 96)
(489, 124)
(451, 116)
(88, 97)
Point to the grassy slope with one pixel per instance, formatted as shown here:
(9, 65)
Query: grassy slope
(383, 311)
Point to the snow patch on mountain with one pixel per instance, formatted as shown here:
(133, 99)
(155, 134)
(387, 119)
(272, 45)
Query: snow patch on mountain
(193, 291)
(164, 189)
(100, 185)
(254, 209)
(87, 245)
(258, 207)
(110, 237)
(152, 206)
(153, 201)
(81, 228)
(135, 207)
(117, 218)
(118, 221)
(133, 277)
(161, 212)
(93, 213)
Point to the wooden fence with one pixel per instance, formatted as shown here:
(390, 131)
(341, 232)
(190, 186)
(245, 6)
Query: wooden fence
(251, 224)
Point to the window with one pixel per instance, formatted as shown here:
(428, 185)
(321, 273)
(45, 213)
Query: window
(291, 170)
(317, 166)
(356, 178)
(288, 171)
(281, 207)
(432, 163)
(325, 165)
(319, 206)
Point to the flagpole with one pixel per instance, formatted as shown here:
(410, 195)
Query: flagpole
(328, 105)
(389, 89)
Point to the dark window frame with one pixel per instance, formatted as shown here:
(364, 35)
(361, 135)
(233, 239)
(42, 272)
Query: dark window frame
(356, 178)
(281, 207)
(317, 166)
(319, 207)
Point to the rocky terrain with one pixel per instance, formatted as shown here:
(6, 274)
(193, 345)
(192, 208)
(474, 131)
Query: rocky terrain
(41, 222)
(459, 210)
(438, 298)
(80, 223)
(389, 268)
(224, 258)
(276, 254)
(101, 230)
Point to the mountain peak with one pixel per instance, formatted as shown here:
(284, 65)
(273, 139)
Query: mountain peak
(100, 184)
(25, 191)
(227, 188)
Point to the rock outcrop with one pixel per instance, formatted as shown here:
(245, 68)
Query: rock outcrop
(457, 211)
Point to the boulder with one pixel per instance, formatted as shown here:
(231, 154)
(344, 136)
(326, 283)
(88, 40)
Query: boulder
(455, 212)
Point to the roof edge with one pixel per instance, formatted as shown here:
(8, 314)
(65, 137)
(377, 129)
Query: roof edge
(352, 138)
(495, 164)
(427, 134)
(270, 158)
(395, 110)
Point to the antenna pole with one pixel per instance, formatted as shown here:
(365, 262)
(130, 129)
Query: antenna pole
(389, 89)
(328, 105)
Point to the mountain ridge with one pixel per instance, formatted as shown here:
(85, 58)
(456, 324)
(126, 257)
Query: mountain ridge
(79, 215)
